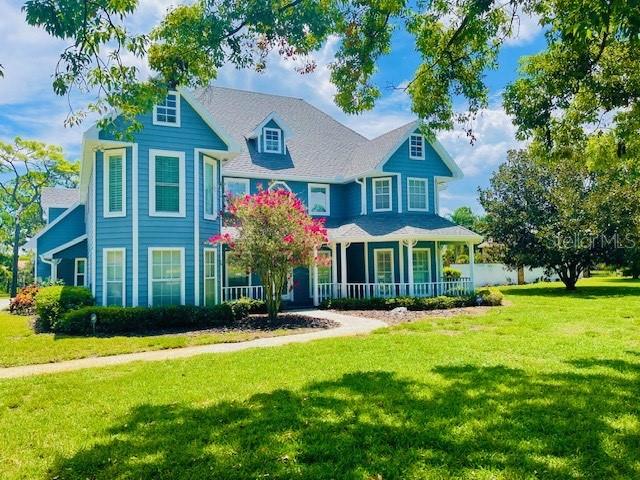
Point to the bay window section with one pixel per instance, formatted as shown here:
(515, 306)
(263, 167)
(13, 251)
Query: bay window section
(166, 282)
(235, 187)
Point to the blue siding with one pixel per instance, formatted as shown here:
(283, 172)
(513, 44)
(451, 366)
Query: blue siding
(66, 267)
(70, 227)
(54, 213)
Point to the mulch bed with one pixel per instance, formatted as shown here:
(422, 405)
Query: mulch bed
(285, 321)
(395, 318)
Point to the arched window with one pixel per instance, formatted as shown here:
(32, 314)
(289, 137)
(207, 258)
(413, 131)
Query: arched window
(279, 185)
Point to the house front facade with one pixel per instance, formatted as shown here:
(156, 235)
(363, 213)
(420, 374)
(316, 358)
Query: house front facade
(135, 231)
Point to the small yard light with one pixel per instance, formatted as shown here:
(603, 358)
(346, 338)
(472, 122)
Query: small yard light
(94, 319)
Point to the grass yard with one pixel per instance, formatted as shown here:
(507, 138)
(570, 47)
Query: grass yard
(548, 388)
(19, 345)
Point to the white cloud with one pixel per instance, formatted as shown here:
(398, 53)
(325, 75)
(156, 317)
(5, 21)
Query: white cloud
(495, 135)
(527, 28)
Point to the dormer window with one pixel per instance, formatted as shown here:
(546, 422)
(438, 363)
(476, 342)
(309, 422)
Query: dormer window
(167, 113)
(416, 147)
(272, 140)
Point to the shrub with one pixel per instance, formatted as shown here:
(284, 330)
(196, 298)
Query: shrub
(451, 273)
(24, 301)
(243, 307)
(491, 297)
(111, 320)
(51, 303)
(410, 303)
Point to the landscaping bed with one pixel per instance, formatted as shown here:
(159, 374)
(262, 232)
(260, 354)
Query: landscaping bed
(397, 317)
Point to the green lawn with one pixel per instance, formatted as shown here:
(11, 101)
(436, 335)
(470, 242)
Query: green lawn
(548, 387)
(19, 345)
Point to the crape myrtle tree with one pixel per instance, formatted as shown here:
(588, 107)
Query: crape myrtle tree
(26, 167)
(555, 209)
(589, 67)
(273, 234)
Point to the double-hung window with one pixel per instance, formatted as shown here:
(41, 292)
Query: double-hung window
(382, 194)
(417, 196)
(167, 113)
(383, 265)
(166, 184)
(114, 276)
(80, 272)
(319, 201)
(166, 274)
(210, 183)
(210, 277)
(235, 187)
(416, 147)
(114, 183)
(272, 140)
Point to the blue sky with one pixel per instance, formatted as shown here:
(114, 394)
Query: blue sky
(29, 108)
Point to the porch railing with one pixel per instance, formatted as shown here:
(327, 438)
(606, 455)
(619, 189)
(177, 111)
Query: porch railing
(234, 293)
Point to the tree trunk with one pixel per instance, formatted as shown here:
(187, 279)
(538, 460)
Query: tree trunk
(14, 263)
(569, 276)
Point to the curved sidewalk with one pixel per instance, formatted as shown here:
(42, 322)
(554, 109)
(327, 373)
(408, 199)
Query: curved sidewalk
(349, 325)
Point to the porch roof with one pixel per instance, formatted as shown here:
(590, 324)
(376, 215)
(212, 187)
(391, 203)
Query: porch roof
(398, 226)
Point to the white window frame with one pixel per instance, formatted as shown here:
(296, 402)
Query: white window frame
(105, 251)
(328, 253)
(244, 181)
(204, 274)
(150, 253)
(279, 183)
(168, 124)
(375, 264)
(422, 142)
(428, 250)
(327, 188)
(152, 183)
(375, 181)
(75, 271)
(106, 188)
(264, 139)
(214, 188)
(426, 194)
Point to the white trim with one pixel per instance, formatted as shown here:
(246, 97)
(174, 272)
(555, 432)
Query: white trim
(104, 274)
(196, 223)
(375, 264)
(375, 181)
(272, 185)
(426, 194)
(106, 188)
(64, 246)
(94, 221)
(150, 252)
(58, 219)
(207, 160)
(204, 274)
(256, 132)
(168, 124)
(311, 268)
(327, 188)
(475, 239)
(399, 192)
(75, 272)
(153, 153)
(264, 139)
(428, 250)
(134, 226)
(422, 140)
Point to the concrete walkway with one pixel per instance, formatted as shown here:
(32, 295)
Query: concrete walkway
(4, 303)
(349, 325)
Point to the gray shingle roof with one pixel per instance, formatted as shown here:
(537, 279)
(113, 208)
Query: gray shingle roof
(59, 197)
(403, 225)
(320, 146)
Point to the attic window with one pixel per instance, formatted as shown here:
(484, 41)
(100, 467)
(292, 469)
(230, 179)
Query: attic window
(416, 147)
(272, 140)
(167, 113)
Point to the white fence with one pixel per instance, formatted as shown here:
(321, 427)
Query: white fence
(499, 274)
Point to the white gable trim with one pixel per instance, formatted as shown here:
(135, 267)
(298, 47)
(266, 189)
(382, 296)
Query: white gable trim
(58, 219)
(256, 132)
(64, 246)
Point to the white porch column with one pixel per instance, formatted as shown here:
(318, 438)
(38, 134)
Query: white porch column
(401, 265)
(438, 260)
(410, 266)
(334, 269)
(343, 267)
(316, 296)
(471, 265)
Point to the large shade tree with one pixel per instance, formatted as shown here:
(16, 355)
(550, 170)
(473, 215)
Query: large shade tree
(555, 209)
(272, 234)
(26, 167)
(589, 68)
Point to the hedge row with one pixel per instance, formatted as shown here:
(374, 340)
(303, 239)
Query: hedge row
(51, 303)
(489, 297)
(111, 320)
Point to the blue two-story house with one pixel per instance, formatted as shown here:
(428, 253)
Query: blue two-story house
(136, 229)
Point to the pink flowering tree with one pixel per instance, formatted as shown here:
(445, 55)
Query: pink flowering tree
(273, 234)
